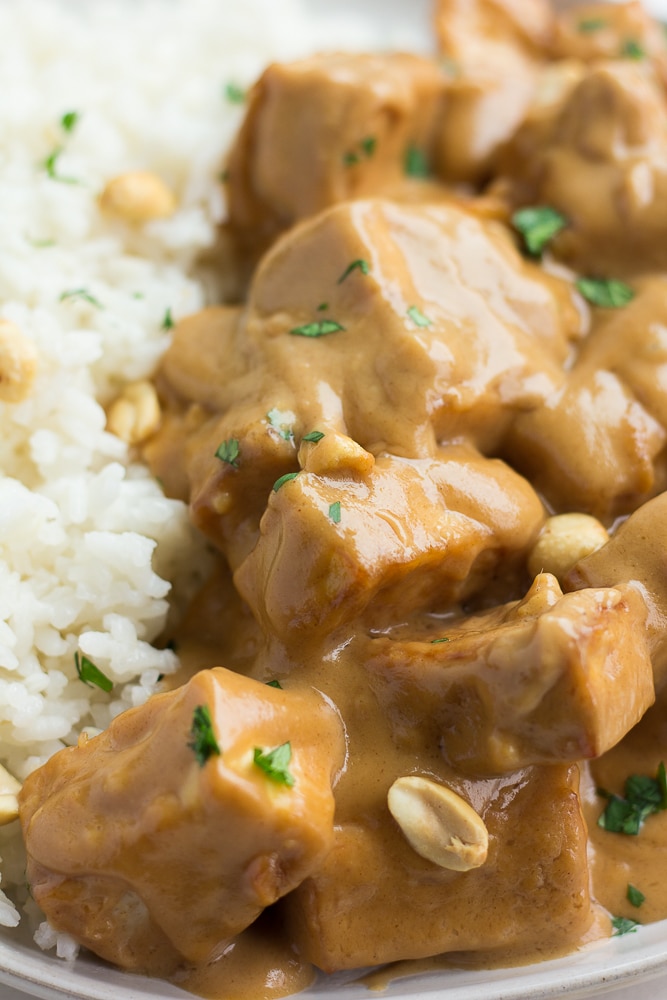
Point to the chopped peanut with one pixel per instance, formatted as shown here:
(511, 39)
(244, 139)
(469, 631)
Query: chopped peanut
(563, 541)
(135, 415)
(137, 197)
(18, 363)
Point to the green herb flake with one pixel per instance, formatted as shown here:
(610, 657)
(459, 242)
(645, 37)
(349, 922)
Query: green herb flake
(642, 797)
(284, 479)
(607, 293)
(443, 639)
(632, 49)
(90, 674)
(368, 145)
(274, 684)
(634, 895)
(588, 26)
(234, 93)
(417, 317)
(274, 763)
(350, 159)
(69, 121)
(168, 321)
(203, 742)
(313, 436)
(415, 163)
(356, 265)
(83, 294)
(334, 512)
(323, 306)
(229, 452)
(50, 164)
(623, 925)
(281, 421)
(318, 329)
(538, 225)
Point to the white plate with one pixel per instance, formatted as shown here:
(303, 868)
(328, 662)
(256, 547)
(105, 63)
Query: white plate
(635, 958)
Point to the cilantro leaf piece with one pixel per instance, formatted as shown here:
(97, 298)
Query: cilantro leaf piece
(69, 121)
(443, 639)
(323, 306)
(318, 329)
(50, 164)
(313, 436)
(168, 321)
(229, 451)
(83, 294)
(281, 421)
(234, 93)
(417, 316)
(642, 797)
(203, 742)
(284, 479)
(589, 25)
(415, 163)
(632, 49)
(607, 293)
(274, 763)
(623, 925)
(538, 225)
(90, 674)
(274, 684)
(356, 265)
(368, 145)
(334, 512)
(634, 895)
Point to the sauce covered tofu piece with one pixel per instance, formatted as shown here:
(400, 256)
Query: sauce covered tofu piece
(548, 679)
(375, 900)
(164, 837)
(324, 130)
(411, 535)
(494, 51)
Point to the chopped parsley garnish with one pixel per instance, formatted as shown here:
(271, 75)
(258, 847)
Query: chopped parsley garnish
(69, 120)
(281, 421)
(356, 265)
(50, 165)
(632, 49)
(443, 639)
(168, 321)
(90, 674)
(415, 163)
(643, 797)
(323, 306)
(274, 684)
(634, 895)
(318, 329)
(417, 317)
(313, 436)
(203, 743)
(334, 511)
(234, 93)
(284, 479)
(538, 225)
(229, 452)
(607, 293)
(364, 149)
(83, 294)
(274, 763)
(623, 925)
(589, 25)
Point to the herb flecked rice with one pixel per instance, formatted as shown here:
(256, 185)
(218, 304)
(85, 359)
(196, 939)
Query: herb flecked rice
(89, 546)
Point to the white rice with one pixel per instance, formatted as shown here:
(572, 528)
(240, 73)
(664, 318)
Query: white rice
(89, 545)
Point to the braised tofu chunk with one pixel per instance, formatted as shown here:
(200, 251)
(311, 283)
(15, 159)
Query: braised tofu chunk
(374, 899)
(183, 820)
(326, 129)
(551, 678)
(493, 49)
(410, 535)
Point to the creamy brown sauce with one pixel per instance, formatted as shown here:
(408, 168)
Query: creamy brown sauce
(373, 442)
